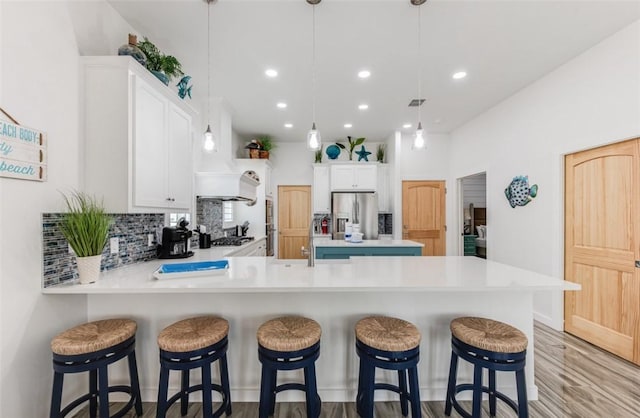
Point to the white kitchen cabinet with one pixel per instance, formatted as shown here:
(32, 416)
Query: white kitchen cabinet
(321, 191)
(138, 138)
(384, 188)
(354, 177)
(268, 189)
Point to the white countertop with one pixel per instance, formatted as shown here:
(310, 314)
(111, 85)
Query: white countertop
(323, 242)
(213, 253)
(368, 274)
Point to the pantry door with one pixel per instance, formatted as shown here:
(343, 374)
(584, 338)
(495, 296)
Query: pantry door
(294, 217)
(602, 236)
(423, 215)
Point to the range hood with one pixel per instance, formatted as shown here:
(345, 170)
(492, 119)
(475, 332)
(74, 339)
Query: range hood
(239, 187)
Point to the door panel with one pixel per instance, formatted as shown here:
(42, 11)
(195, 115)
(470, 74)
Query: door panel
(294, 217)
(601, 245)
(423, 215)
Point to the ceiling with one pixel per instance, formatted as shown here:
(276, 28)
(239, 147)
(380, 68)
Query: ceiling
(502, 45)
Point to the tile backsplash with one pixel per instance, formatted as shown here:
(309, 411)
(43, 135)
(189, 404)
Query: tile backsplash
(209, 214)
(132, 231)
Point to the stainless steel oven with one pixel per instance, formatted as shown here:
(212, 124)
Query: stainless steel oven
(270, 228)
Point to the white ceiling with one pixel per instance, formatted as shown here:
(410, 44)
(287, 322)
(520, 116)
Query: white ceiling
(503, 45)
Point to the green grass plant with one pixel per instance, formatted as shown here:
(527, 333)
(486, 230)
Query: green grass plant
(85, 225)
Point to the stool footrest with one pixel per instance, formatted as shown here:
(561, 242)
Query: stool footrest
(485, 389)
(195, 388)
(387, 386)
(291, 386)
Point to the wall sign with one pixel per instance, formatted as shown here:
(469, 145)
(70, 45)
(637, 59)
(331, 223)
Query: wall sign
(23, 152)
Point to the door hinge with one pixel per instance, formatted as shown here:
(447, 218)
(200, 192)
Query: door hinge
(445, 228)
(445, 190)
(637, 263)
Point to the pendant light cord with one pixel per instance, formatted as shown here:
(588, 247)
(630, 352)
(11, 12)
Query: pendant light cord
(208, 60)
(313, 67)
(419, 66)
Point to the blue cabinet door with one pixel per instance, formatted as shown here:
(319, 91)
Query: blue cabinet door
(337, 253)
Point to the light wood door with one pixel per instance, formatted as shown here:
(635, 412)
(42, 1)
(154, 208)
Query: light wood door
(294, 217)
(423, 215)
(602, 236)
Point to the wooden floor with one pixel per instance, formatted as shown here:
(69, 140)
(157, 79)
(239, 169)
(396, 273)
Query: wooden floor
(574, 378)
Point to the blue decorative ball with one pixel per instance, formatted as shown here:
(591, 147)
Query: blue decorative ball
(333, 151)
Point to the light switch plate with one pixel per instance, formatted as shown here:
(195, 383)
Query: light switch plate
(150, 240)
(114, 245)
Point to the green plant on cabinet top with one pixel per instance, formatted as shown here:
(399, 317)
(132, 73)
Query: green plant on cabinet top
(352, 144)
(159, 63)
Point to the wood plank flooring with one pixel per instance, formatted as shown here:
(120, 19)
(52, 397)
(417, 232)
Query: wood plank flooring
(575, 380)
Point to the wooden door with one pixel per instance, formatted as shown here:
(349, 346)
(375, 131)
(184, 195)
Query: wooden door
(423, 215)
(294, 217)
(602, 236)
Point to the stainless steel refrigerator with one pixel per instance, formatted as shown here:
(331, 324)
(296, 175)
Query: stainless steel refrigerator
(355, 207)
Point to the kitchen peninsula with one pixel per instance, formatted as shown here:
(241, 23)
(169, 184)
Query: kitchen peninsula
(428, 291)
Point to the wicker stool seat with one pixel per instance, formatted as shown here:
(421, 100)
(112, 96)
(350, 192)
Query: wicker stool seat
(491, 345)
(189, 344)
(92, 347)
(391, 344)
(288, 343)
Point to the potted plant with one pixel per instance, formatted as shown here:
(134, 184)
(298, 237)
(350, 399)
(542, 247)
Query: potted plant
(380, 152)
(352, 144)
(318, 155)
(266, 145)
(254, 149)
(85, 226)
(164, 67)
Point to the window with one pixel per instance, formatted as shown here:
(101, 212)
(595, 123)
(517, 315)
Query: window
(227, 212)
(175, 217)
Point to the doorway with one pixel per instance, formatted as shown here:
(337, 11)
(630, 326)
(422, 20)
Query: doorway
(602, 247)
(294, 217)
(473, 215)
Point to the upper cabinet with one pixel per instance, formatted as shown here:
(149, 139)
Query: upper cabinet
(138, 138)
(384, 188)
(321, 191)
(354, 177)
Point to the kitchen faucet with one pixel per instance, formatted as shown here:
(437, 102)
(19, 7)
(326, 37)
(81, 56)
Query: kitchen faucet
(309, 252)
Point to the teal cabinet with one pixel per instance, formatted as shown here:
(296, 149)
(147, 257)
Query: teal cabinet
(337, 253)
(470, 245)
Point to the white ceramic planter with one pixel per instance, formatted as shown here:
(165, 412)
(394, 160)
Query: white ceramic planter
(89, 268)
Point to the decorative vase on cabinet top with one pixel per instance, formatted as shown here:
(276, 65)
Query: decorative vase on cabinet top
(132, 49)
(333, 151)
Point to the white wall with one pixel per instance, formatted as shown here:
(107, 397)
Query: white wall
(39, 87)
(591, 100)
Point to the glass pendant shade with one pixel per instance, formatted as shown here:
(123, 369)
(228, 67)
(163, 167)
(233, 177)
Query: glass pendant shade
(418, 141)
(208, 143)
(314, 141)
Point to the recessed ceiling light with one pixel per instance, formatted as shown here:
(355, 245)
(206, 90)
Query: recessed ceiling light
(459, 75)
(282, 105)
(364, 74)
(270, 72)
(406, 126)
(288, 125)
(363, 106)
(348, 125)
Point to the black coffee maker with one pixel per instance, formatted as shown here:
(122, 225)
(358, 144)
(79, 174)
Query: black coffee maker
(175, 241)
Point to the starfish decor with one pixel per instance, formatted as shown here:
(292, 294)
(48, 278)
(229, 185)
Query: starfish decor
(363, 154)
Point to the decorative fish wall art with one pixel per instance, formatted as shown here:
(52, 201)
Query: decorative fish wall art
(183, 89)
(519, 193)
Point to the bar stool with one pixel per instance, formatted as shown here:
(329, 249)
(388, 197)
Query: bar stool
(391, 344)
(92, 347)
(491, 345)
(190, 344)
(288, 343)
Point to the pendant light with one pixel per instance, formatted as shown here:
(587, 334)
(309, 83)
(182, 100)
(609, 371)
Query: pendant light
(314, 141)
(419, 140)
(208, 142)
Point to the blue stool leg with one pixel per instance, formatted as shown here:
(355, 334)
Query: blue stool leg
(56, 395)
(523, 407)
(360, 395)
(404, 399)
(369, 388)
(266, 391)
(492, 393)
(163, 389)
(451, 387)
(477, 391)
(312, 398)
(207, 408)
(93, 392)
(103, 390)
(135, 382)
(224, 378)
(273, 385)
(184, 397)
(414, 393)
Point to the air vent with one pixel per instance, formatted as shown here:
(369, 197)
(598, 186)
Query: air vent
(416, 102)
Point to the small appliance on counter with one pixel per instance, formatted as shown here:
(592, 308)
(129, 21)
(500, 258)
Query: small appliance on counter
(204, 239)
(175, 241)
